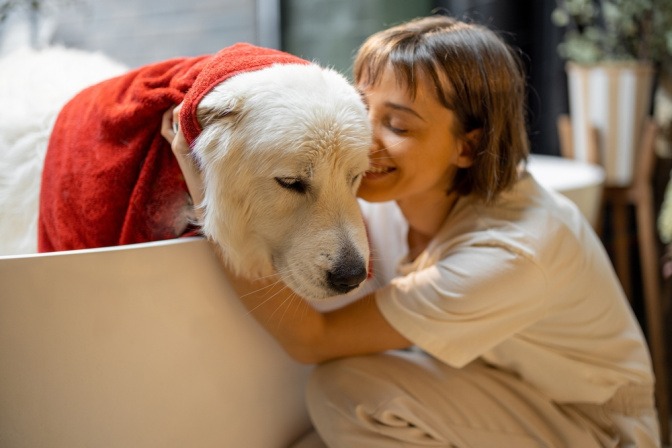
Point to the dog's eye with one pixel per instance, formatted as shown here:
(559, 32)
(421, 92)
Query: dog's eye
(356, 179)
(292, 183)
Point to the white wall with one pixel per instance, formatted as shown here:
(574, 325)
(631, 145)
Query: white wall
(137, 32)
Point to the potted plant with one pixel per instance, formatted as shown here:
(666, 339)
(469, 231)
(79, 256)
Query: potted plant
(614, 49)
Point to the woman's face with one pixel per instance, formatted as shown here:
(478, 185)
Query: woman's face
(415, 152)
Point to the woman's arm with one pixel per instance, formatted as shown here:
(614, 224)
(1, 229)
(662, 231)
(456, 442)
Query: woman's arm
(310, 336)
(306, 334)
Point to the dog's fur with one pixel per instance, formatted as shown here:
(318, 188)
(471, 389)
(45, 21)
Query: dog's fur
(34, 86)
(282, 152)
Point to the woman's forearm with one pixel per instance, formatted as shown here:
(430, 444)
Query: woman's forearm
(310, 336)
(291, 321)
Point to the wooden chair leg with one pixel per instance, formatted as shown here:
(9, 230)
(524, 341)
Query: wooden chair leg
(641, 195)
(620, 220)
(653, 307)
(565, 136)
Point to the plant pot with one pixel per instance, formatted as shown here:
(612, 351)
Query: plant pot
(613, 98)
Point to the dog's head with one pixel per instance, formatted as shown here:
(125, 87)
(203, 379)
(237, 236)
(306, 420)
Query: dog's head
(283, 150)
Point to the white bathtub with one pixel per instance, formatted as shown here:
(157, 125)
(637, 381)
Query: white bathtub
(138, 346)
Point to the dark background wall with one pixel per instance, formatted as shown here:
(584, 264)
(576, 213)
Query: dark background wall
(527, 25)
(330, 32)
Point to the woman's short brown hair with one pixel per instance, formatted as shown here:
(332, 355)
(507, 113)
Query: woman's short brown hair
(476, 75)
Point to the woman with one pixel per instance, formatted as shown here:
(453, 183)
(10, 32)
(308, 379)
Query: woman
(517, 332)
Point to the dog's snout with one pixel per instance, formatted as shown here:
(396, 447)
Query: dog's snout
(346, 278)
(347, 275)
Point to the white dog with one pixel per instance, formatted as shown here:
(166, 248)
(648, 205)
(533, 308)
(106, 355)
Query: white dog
(282, 150)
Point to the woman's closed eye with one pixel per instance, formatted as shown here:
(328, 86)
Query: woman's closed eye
(396, 127)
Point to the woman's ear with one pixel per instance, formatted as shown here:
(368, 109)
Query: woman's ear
(468, 147)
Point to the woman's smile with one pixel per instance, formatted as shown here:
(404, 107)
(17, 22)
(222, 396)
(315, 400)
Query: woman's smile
(377, 171)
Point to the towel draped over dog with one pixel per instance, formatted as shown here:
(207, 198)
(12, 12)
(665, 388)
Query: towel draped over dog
(109, 176)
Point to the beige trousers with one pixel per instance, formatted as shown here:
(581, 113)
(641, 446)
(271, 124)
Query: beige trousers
(408, 399)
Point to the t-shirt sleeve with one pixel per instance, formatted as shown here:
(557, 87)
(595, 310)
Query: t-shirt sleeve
(467, 303)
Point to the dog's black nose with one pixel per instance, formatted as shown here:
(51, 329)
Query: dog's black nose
(347, 276)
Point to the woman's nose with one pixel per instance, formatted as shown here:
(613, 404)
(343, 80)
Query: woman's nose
(376, 143)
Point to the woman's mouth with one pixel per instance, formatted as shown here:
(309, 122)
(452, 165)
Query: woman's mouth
(376, 171)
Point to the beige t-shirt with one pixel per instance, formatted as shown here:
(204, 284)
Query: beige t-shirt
(524, 284)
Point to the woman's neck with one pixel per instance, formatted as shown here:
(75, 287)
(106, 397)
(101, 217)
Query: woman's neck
(425, 217)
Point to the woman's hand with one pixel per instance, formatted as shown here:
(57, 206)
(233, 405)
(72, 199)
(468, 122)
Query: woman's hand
(170, 131)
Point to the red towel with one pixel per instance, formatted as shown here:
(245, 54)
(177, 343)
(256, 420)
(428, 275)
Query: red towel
(109, 176)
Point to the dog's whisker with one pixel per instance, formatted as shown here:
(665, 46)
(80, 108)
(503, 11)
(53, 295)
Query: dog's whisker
(385, 148)
(261, 288)
(266, 300)
(277, 275)
(286, 304)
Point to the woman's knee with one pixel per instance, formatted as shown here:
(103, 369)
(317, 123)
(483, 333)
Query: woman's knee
(339, 390)
(340, 381)
(362, 379)
(354, 401)
(332, 396)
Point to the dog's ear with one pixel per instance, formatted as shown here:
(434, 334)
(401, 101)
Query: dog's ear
(216, 107)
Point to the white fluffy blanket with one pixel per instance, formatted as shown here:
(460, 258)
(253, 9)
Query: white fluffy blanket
(34, 85)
